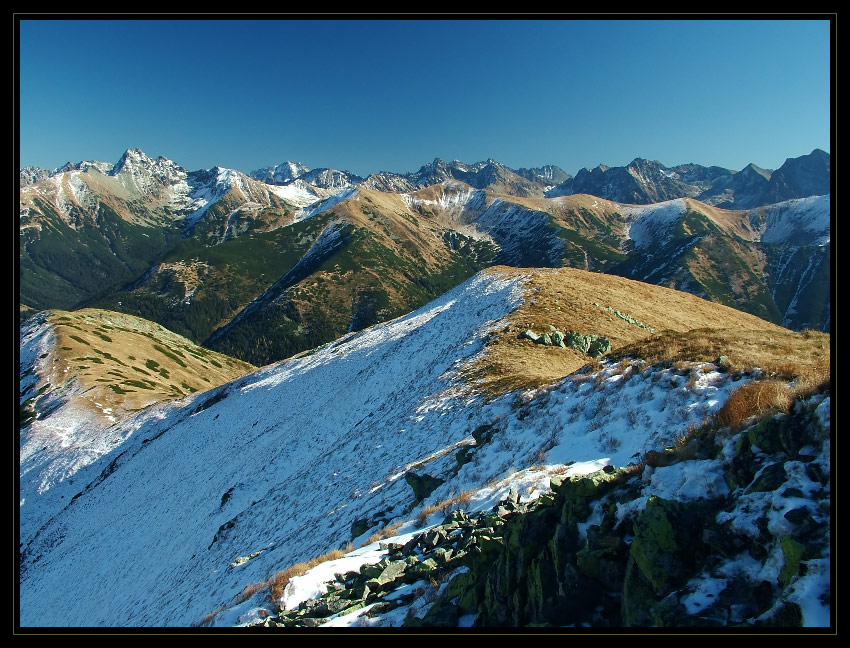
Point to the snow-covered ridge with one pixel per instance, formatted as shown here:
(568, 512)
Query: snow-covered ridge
(647, 225)
(325, 205)
(798, 221)
(455, 197)
(280, 174)
(298, 193)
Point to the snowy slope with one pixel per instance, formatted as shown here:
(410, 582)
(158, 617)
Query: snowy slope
(802, 221)
(298, 193)
(756, 514)
(326, 204)
(279, 465)
(648, 225)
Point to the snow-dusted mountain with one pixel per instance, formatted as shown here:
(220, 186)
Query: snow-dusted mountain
(201, 498)
(280, 174)
(647, 181)
(128, 238)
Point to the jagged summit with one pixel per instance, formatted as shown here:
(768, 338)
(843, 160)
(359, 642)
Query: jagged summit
(280, 174)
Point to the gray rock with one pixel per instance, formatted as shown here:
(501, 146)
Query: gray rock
(598, 347)
(528, 334)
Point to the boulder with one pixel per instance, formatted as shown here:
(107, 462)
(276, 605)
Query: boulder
(654, 548)
(768, 479)
(423, 485)
(598, 347)
(528, 334)
(577, 341)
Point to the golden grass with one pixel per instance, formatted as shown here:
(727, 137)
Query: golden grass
(456, 502)
(106, 352)
(777, 352)
(209, 618)
(278, 581)
(381, 534)
(565, 298)
(250, 590)
(754, 399)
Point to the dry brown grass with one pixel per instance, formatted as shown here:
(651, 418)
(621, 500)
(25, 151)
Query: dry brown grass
(278, 581)
(209, 618)
(103, 350)
(772, 396)
(565, 297)
(777, 352)
(250, 590)
(457, 502)
(381, 534)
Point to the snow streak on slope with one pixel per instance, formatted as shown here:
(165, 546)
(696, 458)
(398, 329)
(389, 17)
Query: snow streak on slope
(803, 221)
(525, 236)
(455, 199)
(650, 223)
(299, 193)
(325, 205)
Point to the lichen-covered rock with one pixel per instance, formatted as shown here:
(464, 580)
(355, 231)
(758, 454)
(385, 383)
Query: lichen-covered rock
(793, 552)
(528, 334)
(577, 341)
(423, 485)
(770, 478)
(654, 549)
(599, 347)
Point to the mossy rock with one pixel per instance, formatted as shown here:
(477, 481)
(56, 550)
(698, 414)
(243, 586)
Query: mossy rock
(577, 341)
(793, 552)
(654, 549)
(599, 347)
(422, 485)
(769, 479)
(638, 598)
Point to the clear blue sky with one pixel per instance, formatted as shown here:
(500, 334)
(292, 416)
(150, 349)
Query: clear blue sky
(368, 96)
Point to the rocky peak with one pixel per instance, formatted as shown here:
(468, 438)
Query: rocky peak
(33, 174)
(86, 166)
(751, 170)
(280, 174)
(807, 175)
(138, 170)
(331, 178)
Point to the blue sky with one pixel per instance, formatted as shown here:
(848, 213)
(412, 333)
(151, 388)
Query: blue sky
(369, 96)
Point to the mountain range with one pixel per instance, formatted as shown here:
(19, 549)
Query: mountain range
(266, 266)
(485, 396)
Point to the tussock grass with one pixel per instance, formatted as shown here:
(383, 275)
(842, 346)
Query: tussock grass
(759, 399)
(250, 590)
(456, 502)
(278, 581)
(381, 534)
(209, 618)
(565, 298)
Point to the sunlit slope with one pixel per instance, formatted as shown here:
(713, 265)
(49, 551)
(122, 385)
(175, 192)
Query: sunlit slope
(286, 463)
(125, 363)
(81, 374)
(587, 303)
